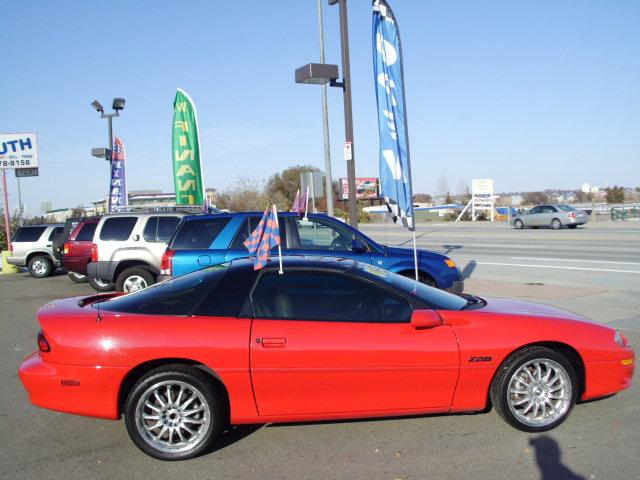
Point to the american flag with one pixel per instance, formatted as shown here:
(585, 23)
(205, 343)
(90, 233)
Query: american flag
(264, 238)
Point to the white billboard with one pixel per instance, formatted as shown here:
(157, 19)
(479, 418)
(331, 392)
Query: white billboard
(18, 150)
(482, 186)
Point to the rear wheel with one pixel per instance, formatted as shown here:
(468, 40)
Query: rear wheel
(556, 224)
(173, 413)
(76, 277)
(40, 266)
(519, 224)
(535, 389)
(133, 279)
(100, 285)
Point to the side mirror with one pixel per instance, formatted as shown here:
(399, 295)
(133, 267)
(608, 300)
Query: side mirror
(357, 246)
(425, 319)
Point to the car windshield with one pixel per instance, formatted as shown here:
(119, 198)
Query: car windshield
(177, 296)
(438, 299)
(566, 208)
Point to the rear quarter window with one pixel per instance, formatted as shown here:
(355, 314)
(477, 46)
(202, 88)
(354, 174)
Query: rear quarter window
(198, 234)
(29, 234)
(118, 228)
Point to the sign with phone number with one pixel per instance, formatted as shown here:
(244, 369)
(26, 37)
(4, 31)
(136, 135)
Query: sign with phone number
(18, 150)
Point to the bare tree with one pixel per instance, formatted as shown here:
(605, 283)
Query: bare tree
(245, 195)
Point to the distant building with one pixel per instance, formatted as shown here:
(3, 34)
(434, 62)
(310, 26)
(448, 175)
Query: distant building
(149, 199)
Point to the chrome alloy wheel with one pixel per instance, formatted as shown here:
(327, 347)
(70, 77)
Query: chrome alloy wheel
(134, 283)
(39, 267)
(101, 283)
(539, 392)
(172, 416)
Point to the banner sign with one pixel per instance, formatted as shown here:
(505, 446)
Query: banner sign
(118, 188)
(394, 164)
(187, 165)
(482, 186)
(366, 187)
(18, 150)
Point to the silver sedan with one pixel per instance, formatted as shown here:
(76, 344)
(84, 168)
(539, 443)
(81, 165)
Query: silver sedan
(555, 216)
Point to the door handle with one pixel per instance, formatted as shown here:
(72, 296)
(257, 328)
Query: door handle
(272, 342)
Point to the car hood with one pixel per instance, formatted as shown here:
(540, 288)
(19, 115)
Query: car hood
(408, 252)
(521, 307)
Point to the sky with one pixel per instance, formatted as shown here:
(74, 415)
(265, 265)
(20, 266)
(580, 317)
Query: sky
(535, 95)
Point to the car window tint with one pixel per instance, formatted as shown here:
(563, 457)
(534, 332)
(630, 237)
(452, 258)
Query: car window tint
(160, 229)
(434, 297)
(55, 232)
(199, 233)
(29, 234)
(177, 296)
(552, 209)
(249, 225)
(118, 228)
(86, 232)
(227, 298)
(566, 208)
(320, 235)
(326, 296)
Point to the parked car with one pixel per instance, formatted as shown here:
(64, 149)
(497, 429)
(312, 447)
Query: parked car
(127, 248)
(77, 254)
(554, 216)
(204, 240)
(327, 339)
(32, 248)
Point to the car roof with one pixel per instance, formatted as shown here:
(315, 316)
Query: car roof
(43, 225)
(310, 262)
(250, 214)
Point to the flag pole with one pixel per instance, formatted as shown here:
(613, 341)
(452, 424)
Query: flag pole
(306, 204)
(275, 214)
(415, 249)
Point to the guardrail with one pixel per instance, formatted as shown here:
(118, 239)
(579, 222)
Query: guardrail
(624, 213)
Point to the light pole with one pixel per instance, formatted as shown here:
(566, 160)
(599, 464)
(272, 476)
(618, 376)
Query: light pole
(322, 73)
(117, 106)
(328, 179)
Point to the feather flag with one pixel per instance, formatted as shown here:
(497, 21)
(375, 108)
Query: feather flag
(264, 238)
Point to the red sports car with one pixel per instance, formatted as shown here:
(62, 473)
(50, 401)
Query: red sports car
(328, 339)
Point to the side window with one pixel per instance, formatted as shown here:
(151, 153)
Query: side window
(318, 235)
(160, 229)
(29, 234)
(118, 228)
(198, 234)
(326, 297)
(552, 209)
(248, 226)
(86, 232)
(55, 233)
(535, 210)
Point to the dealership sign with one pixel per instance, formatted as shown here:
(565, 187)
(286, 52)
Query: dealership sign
(365, 188)
(18, 150)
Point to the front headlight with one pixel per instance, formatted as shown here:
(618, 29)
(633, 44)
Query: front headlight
(621, 340)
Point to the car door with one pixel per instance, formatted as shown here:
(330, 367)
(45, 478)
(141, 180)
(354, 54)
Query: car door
(326, 343)
(238, 250)
(532, 219)
(321, 236)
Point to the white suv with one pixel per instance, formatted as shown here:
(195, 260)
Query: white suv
(32, 248)
(128, 247)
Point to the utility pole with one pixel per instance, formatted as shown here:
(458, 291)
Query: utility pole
(328, 179)
(7, 215)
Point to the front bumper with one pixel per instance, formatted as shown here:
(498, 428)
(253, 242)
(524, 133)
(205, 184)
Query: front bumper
(81, 390)
(608, 377)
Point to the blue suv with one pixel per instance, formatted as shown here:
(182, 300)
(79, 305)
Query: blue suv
(203, 240)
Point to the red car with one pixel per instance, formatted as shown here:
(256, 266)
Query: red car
(76, 254)
(328, 339)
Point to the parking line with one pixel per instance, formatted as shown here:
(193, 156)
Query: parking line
(574, 260)
(558, 267)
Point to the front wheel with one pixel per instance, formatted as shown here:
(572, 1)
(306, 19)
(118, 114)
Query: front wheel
(519, 224)
(173, 413)
(556, 224)
(40, 266)
(133, 279)
(535, 389)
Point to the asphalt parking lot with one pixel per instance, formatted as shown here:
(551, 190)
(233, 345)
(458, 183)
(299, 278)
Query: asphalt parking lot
(594, 271)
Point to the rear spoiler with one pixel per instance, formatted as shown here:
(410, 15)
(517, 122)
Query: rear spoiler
(83, 302)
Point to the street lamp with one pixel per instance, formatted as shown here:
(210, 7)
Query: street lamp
(117, 105)
(321, 73)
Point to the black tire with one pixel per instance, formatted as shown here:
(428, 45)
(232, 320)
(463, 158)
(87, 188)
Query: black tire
(141, 275)
(40, 266)
(422, 278)
(100, 285)
(556, 224)
(572, 226)
(177, 376)
(518, 224)
(501, 396)
(76, 277)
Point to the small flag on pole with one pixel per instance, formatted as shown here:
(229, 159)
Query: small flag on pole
(264, 238)
(296, 203)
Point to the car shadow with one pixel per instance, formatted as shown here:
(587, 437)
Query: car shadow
(450, 248)
(233, 434)
(468, 269)
(549, 460)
